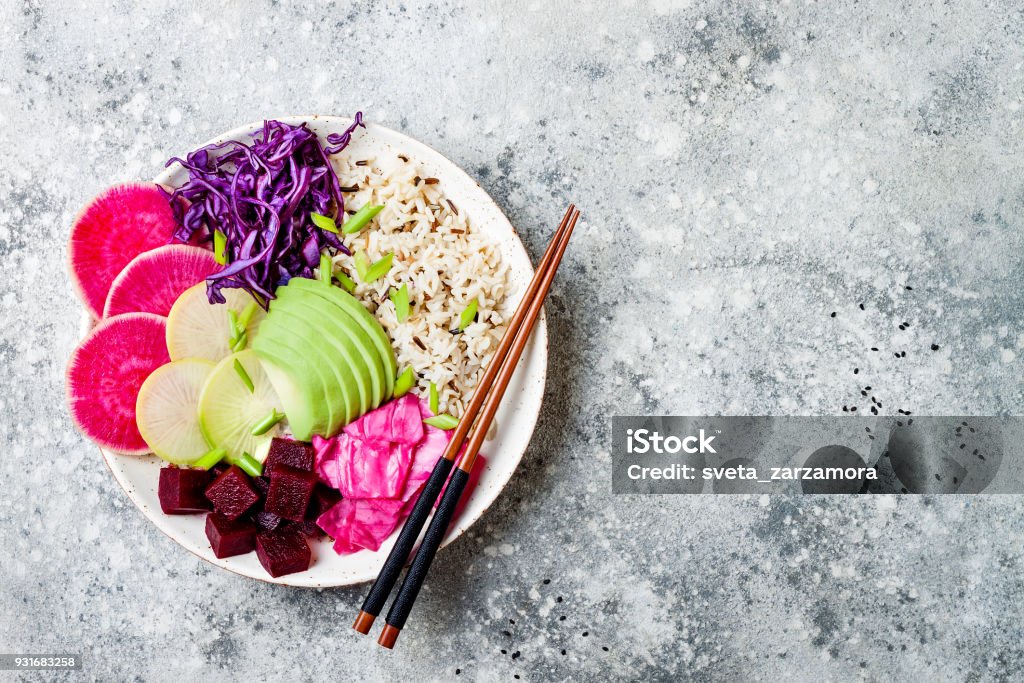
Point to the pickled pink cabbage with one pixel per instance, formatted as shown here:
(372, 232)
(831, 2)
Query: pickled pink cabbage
(379, 463)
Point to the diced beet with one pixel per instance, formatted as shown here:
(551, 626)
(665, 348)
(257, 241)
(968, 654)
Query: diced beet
(267, 520)
(283, 551)
(290, 492)
(309, 529)
(262, 485)
(230, 536)
(232, 494)
(293, 453)
(181, 491)
(324, 498)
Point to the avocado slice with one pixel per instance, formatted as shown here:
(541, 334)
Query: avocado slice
(362, 317)
(354, 345)
(296, 398)
(342, 397)
(278, 346)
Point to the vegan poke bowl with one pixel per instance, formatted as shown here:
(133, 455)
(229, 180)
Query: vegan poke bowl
(283, 328)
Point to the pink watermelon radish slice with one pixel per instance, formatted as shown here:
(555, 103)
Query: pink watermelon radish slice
(105, 373)
(114, 228)
(153, 281)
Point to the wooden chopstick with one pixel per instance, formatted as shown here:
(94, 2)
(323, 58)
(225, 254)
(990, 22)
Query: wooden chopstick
(403, 603)
(399, 554)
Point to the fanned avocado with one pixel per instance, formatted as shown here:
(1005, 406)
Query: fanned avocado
(298, 382)
(341, 396)
(350, 305)
(350, 340)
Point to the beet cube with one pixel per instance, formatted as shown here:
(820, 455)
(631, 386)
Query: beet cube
(292, 453)
(232, 494)
(181, 491)
(267, 520)
(309, 529)
(283, 551)
(324, 498)
(290, 492)
(230, 536)
(262, 485)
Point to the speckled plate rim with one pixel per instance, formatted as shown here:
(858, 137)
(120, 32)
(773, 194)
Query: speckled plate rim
(517, 418)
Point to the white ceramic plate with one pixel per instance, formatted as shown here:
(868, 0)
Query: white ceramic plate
(138, 475)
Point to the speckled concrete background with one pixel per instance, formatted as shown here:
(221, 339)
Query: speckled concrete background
(746, 170)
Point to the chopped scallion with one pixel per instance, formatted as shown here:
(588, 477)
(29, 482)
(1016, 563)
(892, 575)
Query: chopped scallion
(360, 219)
(324, 222)
(434, 400)
(326, 269)
(378, 270)
(239, 342)
(247, 313)
(362, 264)
(245, 377)
(400, 298)
(404, 382)
(267, 423)
(348, 283)
(250, 465)
(220, 245)
(468, 316)
(210, 458)
(443, 421)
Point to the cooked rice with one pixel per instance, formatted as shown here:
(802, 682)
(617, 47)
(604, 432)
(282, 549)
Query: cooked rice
(446, 265)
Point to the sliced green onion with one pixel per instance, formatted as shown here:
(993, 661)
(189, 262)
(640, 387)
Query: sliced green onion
(220, 244)
(378, 269)
(348, 283)
(233, 322)
(468, 316)
(326, 269)
(324, 222)
(404, 382)
(400, 298)
(265, 425)
(238, 343)
(245, 377)
(360, 218)
(211, 458)
(443, 421)
(362, 264)
(434, 401)
(247, 313)
(250, 465)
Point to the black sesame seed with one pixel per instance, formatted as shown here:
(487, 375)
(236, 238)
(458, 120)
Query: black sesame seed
(874, 348)
(833, 314)
(561, 618)
(856, 371)
(853, 409)
(605, 648)
(909, 288)
(586, 633)
(516, 654)
(516, 677)
(458, 671)
(935, 347)
(863, 393)
(511, 621)
(867, 388)
(504, 652)
(563, 653)
(547, 581)
(506, 634)
(558, 599)
(862, 307)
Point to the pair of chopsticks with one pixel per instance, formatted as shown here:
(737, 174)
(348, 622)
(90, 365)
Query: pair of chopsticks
(487, 397)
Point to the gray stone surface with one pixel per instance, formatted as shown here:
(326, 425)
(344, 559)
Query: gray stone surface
(745, 169)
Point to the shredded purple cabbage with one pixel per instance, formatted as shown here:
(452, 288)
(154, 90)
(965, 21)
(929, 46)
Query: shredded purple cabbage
(261, 196)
